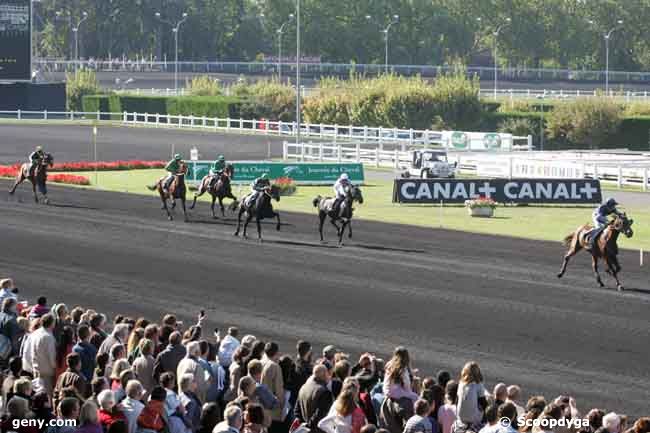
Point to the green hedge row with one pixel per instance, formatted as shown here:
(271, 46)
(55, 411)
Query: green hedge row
(209, 106)
(633, 133)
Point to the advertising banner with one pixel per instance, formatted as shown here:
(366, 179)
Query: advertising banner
(533, 191)
(301, 173)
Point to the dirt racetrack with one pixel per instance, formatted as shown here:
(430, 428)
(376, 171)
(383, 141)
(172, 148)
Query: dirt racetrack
(448, 296)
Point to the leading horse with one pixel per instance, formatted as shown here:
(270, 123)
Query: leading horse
(346, 211)
(38, 179)
(259, 209)
(177, 190)
(605, 247)
(218, 190)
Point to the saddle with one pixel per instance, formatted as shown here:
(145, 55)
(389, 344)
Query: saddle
(591, 237)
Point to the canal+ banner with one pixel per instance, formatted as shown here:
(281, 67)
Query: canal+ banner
(551, 191)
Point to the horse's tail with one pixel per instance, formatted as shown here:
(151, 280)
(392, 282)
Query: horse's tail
(316, 201)
(152, 187)
(568, 239)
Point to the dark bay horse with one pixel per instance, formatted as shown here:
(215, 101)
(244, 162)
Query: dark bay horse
(605, 248)
(218, 190)
(325, 205)
(260, 209)
(177, 190)
(39, 179)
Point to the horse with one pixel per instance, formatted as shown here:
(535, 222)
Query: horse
(218, 190)
(605, 247)
(177, 190)
(260, 209)
(325, 205)
(39, 178)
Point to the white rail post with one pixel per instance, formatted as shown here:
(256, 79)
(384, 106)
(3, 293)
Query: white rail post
(44, 114)
(98, 115)
(228, 124)
(365, 134)
(302, 152)
(510, 164)
(72, 115)
(310, 150)
(376, 156)
(241, 125)
(530, 142)
(358, 149)
(619, 180)
(595, 172)
(157, 119)
(645, 179)
(320, 131)
(125, 117)
(18, 115)
(205, 121)
(340, 152)
(411, 136)
(285, 150)
(396, 164)
(146, 117)
(320, 151)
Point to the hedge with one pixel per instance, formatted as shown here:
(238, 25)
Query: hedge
(634, 133)
(209, 106)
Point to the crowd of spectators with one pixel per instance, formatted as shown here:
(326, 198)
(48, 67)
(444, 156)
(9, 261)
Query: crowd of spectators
(132, 375)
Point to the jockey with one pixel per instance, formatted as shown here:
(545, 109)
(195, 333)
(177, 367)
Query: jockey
(35, 158)
(217, 169)
(600, 217)
(259, 185)
(340, 189)
(173, 167)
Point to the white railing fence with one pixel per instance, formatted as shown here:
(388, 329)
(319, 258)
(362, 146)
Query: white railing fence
(365, 134)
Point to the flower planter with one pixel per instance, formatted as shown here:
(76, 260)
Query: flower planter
(481, 212)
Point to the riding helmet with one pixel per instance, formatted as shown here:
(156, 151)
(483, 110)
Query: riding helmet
(264, 176)
(221, 158)
(39, 148)
(178, 157)
(612, 202)
(344, 176)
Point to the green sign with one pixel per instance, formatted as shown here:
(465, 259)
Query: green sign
(460, 140)
(300, 172)
(492, 141)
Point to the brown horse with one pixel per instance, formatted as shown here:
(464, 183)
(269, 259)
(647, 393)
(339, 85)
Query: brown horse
(38, 179)
(177, 190)
(605, 247)
(218, 190)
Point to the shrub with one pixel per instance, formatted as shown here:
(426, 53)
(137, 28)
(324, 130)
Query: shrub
(70, 179)
(270, 100)
(521, 127)
(79, 84)
(584, 122)
(636, 109)
(204, 86)
(457, 102)
(200, 106)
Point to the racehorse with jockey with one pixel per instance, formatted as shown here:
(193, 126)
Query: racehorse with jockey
(339, 208)
(173, 167)
(217, 169)
(258, 205)
(36, 172)
(257, 187)
(218, 184)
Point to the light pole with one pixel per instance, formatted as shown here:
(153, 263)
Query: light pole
(175, 30)
(280, 32)
(496, 58)
(298, 96)
(395, 20)
(75, 30)
(607, 37)
(111, 18)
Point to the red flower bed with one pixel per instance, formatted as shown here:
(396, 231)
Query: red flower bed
(107, 166)
(286, 184)
(70, 179)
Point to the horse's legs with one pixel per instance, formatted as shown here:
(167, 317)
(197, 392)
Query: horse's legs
(575, 248)
(197, 195)
(34, 191)
(259, 227)
(184, 210)
(249, 217)
(321, 220)
(343, 226)
(20, 179)
(164, 202)
(338, 229)
(214, 198)
(173, 203)
(241, 211)
(277, 216)
(349, 229)
(613, 269)
(594, 264)
(223, 210)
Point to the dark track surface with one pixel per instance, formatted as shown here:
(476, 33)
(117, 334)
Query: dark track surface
(449, 296)
(74, 143)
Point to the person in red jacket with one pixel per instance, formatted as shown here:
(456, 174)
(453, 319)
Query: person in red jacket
(108, 412)
(154, 416)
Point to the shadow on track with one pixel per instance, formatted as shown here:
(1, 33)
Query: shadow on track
(302, 244)
(382, 248)
(637, 291)
(72, 206)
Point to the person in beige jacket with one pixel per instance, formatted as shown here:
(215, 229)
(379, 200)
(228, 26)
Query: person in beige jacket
(272, 378)
(143, 365)
(43, 353)
(190, 365)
